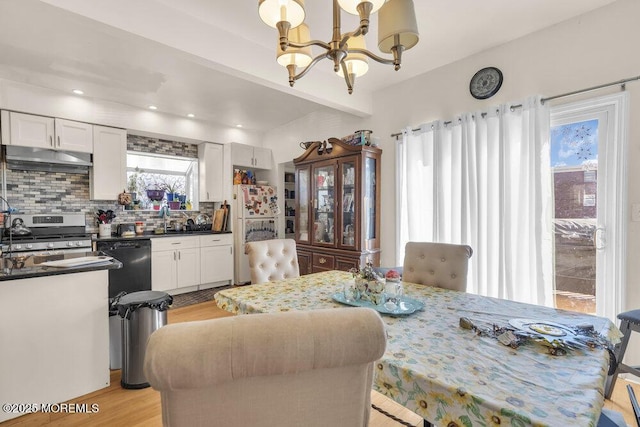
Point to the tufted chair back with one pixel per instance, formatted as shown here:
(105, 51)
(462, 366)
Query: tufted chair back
(442, 265)
(300, 368)
(271, 260)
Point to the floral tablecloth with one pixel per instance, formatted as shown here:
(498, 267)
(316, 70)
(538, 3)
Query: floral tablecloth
(450, 375)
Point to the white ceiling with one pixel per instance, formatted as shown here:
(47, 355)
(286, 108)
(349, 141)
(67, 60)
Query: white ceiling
(216, 59)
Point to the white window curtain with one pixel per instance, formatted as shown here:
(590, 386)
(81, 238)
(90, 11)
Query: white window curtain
(484, 180)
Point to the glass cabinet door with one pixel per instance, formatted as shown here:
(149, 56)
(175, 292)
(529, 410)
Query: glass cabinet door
(324, 204)
(349, 203)
(369, 205)
(302, 205)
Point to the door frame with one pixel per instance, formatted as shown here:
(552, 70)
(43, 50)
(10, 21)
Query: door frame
(612, 211)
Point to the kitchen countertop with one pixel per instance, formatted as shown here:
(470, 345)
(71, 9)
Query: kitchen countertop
(18, 267)
(150, 234)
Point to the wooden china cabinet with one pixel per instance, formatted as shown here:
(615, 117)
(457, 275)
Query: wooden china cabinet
(337, 206)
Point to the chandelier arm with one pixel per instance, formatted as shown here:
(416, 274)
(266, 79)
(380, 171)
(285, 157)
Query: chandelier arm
(372, 56)
(347, 36)
(308, 67)
(310, 43)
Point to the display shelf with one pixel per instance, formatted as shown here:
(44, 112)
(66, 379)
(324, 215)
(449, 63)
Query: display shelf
(338, 198)
(290, 205)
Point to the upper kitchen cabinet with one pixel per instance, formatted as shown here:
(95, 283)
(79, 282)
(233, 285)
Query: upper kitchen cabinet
(337, 206)
(250, 156)
(210, 169)
(109, 172)
(28, 130)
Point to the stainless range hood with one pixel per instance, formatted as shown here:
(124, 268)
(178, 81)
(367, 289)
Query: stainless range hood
(42, 159)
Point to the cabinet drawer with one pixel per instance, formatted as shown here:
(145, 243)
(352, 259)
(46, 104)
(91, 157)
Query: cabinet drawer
(346, 264)
(323, 261)
(216, 240)
(169, 243)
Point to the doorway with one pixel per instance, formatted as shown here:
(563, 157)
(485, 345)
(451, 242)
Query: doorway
(587, 147)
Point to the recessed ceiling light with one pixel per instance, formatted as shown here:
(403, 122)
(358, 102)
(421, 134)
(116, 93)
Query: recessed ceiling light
(238, 126)
(78, 92)
(153, 107)
(191, 115)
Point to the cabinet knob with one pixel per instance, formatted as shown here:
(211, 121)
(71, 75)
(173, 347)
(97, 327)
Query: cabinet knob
(51, 140)
(322, 260)
(58, 140)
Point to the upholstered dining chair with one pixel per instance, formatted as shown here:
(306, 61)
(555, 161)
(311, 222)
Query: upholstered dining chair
(443, 265)
(300, 368)
(271, 260)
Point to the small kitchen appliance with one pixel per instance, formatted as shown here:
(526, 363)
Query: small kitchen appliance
(126, 230)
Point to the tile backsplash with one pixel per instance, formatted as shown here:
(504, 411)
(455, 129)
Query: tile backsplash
(34, 192)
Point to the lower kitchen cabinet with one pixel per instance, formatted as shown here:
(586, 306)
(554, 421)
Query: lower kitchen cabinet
(187, 263)
(216, 259)
(55, 338)
(175, 262)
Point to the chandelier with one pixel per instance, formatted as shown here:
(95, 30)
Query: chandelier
(397, 32)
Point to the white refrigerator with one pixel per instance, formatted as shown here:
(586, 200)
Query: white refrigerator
(256, 209)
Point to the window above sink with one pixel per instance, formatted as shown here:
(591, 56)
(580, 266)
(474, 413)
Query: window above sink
(175, 178)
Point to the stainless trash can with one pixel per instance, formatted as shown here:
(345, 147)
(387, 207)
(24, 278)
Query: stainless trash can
(142, 313)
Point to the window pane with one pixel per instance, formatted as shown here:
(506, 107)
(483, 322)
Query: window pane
(170, 175)
(574, 161)
(158, 163)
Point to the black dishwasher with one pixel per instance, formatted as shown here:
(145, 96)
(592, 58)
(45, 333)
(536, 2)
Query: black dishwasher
(134, 276)
(135, 256)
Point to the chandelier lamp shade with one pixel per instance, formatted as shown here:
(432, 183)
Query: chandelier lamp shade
(397, 32)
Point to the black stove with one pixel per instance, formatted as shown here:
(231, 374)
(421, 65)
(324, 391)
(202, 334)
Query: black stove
(46, 232)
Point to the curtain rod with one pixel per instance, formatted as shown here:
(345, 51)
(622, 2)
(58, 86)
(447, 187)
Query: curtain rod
(563, 95)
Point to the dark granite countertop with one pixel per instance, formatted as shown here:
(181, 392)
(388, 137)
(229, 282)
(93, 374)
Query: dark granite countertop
(23, 267)
(150, 234)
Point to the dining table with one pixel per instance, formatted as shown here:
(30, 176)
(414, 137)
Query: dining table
(445, 361)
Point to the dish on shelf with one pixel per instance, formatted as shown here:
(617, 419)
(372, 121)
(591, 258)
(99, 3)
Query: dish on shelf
(405, 307)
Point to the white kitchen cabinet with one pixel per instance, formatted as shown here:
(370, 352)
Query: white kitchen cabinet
(216, 260)
(109, 171)
(175, 262)
(250, 156)
(55, 338)
(28, 130)
(210, 170)
(74, 136)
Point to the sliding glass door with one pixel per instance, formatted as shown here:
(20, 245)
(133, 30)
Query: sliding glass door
(588, 176)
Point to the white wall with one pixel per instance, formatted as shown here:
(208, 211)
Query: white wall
(285, 140)
(36, 100)
(598, 47)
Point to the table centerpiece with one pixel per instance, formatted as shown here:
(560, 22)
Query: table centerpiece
(369, 284)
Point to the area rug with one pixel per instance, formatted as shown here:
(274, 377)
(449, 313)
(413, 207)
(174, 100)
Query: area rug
(189, 298)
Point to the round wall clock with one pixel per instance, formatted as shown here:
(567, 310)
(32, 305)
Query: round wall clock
(485, 83)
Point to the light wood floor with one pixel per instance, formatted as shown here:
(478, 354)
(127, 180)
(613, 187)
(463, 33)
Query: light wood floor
(133, 408)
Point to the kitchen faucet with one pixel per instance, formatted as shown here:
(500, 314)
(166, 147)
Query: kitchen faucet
(164, 213)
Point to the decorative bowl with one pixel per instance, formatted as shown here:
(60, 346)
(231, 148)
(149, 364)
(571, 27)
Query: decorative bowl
(155, 195)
